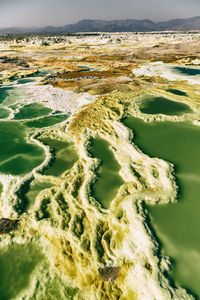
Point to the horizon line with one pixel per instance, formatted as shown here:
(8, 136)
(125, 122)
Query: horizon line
(87, 19)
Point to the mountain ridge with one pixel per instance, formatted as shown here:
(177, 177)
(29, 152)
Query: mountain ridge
(126, 25)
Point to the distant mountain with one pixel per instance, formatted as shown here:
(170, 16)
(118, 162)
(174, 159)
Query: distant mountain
(129, 25)
(181, 24)
(111, 26)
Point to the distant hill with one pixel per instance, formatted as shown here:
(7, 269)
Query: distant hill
(181, 24)
(129, 25)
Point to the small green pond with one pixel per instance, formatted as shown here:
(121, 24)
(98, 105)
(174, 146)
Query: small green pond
(47, 121)
(18, 156)
(65, 156)
(4, 93)
(161, 105)
(108, 182)
(177, 225)
(4, 113)
(31, 111)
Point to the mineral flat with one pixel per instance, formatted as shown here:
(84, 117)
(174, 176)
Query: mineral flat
(99, 170)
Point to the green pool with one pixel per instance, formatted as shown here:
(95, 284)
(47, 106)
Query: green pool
(162, 105)
(65, 156)
(18, 156)
(108, 181)
(31, 111)
(177, 225)
(47, 121)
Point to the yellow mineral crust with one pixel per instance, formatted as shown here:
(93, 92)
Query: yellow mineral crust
(80, 237)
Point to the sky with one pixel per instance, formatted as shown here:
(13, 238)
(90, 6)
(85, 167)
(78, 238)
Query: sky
(39, 13)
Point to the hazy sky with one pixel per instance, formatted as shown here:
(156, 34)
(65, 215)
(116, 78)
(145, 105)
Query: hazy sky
(62, 12)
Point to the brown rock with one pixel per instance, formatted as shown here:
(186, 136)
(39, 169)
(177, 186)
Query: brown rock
(109, 273)
(7, 225)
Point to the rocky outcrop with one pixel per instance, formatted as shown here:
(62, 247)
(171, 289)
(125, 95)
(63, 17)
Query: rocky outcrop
(109, 273)
(7, 225)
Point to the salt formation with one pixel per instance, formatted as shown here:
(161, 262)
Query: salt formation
(80, 237)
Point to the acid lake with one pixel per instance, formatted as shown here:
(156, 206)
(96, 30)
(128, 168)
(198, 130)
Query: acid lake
(162, 105)
(18, 156)
(108, 179)
(64, 156)
(176, 225)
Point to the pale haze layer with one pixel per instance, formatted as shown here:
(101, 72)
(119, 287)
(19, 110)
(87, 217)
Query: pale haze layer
(27, 13)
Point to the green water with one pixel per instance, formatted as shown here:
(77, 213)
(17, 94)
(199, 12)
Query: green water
(32, 110)
(15, 106)
(177, 92)
(187, 71)
(4, 113)
(4, 93)
(47, 121)
(108, 181)
(177, 225)
(17, 155)
(15, 94)
(34, 189)
(33, 77)
(65, 156)
(25, 80)
(17, 263)
(161, 105)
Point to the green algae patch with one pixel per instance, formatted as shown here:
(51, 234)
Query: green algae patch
(177, 226)
(17, 263)
(31, 111)
(64, 156)
(108, 182)
(18, 156)
(161, 105)
(47, 121)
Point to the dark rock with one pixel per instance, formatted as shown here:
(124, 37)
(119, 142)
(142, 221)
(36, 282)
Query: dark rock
(109, 273)
(7, 225)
